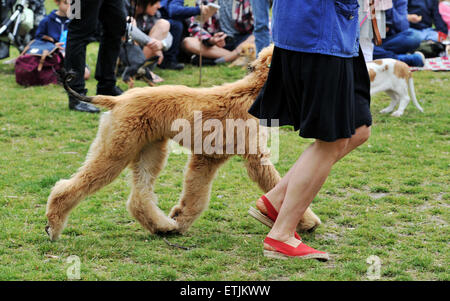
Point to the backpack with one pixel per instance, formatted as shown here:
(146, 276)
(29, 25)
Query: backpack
(38, 64)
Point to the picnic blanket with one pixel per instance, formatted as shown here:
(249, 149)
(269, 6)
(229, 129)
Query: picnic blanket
(435, 64)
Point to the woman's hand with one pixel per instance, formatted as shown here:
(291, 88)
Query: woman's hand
(207, 12)
(155, 45)
(218, 39)
(413, 18)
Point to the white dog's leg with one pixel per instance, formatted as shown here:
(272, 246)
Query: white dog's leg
(401, 108)
(392, 105)
(196, 190)
(142, 201)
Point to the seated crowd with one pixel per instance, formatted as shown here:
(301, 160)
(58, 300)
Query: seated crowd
(169, 33)
(404, 25)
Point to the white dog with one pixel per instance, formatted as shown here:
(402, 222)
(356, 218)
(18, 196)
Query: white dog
(394, 78)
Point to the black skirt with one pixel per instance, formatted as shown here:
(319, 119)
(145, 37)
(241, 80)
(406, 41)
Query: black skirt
(325, 97)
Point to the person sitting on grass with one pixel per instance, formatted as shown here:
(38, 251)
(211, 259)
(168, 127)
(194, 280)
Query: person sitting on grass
(53, 28)
(148, 20)
(422, 15)
(222, 36)
(444, 10)
(401, 41)
(176, 12)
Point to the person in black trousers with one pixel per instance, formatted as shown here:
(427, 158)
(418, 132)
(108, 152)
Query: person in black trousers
(111, 14)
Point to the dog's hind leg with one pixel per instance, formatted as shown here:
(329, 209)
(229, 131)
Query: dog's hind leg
(196, 190)
(105, 161)
(142, 202)
(267, 177)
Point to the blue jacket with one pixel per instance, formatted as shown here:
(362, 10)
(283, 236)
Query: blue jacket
(52, 25)
(429, 10)
(175, 9)
(397, 17)
(321, 26)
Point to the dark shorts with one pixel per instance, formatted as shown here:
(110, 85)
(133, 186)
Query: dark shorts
(234, 42)
(325, 97)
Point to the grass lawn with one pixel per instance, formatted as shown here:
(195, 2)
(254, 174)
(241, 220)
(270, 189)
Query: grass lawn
(389, 198)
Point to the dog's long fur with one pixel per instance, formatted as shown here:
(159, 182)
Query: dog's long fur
(135, 133)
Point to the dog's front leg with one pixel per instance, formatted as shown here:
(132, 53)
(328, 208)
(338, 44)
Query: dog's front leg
(196, 190)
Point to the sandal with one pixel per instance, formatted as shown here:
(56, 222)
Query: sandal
(285, 251)
(271, 216)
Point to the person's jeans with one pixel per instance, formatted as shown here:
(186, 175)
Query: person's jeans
(401, 43)
(260, 9)
(176, 29)
(111, 14)
(426, 34)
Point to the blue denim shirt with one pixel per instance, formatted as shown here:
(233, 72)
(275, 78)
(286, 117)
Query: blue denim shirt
(318, 26)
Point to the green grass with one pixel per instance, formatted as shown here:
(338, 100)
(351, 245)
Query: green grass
(388, 198)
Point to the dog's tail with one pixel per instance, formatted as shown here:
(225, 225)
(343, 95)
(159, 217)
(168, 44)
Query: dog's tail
(104, 101)
(413, 94)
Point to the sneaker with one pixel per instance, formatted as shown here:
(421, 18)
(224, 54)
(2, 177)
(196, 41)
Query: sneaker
(413, 60)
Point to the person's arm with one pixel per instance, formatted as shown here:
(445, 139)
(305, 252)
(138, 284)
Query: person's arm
(177, 10)
(400, 16)
(437, 18)
(138, 36)
(42, 28)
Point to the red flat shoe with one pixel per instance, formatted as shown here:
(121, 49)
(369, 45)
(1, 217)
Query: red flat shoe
(271, 216)
(285, 251)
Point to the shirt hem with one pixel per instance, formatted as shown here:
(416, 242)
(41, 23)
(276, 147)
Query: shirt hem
(316, 50)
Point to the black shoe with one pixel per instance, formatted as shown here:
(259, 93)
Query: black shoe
(114, 91)
(82, 106)
(171, 66)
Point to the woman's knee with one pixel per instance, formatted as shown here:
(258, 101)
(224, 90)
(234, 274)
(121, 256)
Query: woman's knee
(163, 25)
(333, 149)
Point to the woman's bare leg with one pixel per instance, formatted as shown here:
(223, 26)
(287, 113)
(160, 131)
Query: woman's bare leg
(159, 32)
(277, 194)
(193, 45)
(308, 176)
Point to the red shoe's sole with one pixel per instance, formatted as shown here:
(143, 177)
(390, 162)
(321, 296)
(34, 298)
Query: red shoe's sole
(278, 255)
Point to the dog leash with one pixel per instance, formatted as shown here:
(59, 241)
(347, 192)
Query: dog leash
(376, 32)
(177, 245)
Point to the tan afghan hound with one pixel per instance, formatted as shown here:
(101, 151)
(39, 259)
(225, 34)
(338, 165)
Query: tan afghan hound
(135, 132)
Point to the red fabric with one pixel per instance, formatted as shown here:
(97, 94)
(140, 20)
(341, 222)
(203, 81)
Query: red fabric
(273, 214)
(300, 250)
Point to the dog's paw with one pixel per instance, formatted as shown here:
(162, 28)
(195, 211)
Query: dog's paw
(167, 226)
(397, 114)
(309, 222)
(51, 233)
(385, 111)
